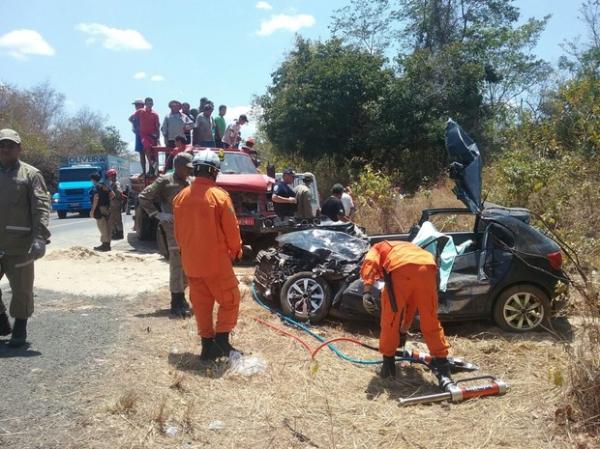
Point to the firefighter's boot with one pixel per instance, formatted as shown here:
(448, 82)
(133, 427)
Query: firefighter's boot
(224, 348)
(388, 369)
(441, 368)
(208, 350)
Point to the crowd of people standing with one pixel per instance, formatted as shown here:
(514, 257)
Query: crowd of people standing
(182, 126)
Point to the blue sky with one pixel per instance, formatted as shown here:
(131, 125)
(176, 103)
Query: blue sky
(104, 54)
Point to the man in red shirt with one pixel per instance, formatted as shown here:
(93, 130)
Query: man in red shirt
(149, 132)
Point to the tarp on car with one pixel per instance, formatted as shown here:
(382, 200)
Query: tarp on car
(339, 244)
(427, 239)
(465, 166)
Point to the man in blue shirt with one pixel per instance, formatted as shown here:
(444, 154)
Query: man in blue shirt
(284, 196)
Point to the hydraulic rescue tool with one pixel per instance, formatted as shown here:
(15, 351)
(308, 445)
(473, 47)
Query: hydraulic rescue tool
(457, 393)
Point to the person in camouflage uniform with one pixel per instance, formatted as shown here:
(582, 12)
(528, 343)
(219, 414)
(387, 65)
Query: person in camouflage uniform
(116, 205)
(162, 191)
(24, 218)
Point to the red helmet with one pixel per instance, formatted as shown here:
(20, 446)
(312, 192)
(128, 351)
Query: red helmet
(250, 141)
(111, 172)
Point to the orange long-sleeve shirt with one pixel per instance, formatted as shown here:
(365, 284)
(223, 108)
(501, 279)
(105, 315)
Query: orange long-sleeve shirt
(389, 256)
(206, 230)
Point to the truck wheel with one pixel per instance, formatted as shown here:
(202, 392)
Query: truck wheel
(145, 225)
(305, 297)
(161, 241)
(522, 308)
(62, 214)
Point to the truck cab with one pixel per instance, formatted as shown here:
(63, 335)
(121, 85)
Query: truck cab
(74, 185)
(250, 193)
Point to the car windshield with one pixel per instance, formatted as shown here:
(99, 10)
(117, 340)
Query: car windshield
(76, 174)
(339, 243)
(236, 164)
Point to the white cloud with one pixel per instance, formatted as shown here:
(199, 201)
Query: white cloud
(263, 5)
(140, 75)
(157, 78)
(285, 22)
(114, 38)
(20, 43)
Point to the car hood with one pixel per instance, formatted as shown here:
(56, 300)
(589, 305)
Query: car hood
(244, 182)
(322, 241)
(465, 166)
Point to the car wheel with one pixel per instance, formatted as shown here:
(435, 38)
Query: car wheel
(522, 308)
(305, 297)
(62, 214)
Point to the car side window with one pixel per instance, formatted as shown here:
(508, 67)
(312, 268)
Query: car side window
(500, 237)
(446, 223)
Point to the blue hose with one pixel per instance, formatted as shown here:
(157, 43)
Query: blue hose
(331, 346)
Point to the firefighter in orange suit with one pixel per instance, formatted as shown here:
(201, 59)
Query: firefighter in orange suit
(410, 273)
(208, 235)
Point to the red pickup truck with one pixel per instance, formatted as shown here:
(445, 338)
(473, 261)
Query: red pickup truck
(250, 192)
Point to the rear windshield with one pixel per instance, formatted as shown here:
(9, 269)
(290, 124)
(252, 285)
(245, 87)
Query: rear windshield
(235, 164)
(76, 174)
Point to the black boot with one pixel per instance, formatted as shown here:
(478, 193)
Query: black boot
(5, 328)
(19, 334)
(103, 247)
(179, 306)
(441, 368)
(207, 349)
(388, 369)
(223, 345)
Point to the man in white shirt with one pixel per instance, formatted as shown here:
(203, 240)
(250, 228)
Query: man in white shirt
(348, 202)
(175, 124)
(231, 133)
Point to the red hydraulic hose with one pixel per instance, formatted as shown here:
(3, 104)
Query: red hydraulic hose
(284, 332)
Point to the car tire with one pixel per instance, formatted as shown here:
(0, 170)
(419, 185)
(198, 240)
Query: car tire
(145, 225)
(522, 308)
(62, 214)
(294, 295)
(161, 242)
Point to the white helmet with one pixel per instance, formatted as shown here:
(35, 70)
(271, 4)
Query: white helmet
(207, 158)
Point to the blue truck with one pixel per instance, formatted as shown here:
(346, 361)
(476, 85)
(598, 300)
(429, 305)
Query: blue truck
(74, 182)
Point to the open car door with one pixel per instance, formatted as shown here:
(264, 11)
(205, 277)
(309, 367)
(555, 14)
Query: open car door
(465, 166)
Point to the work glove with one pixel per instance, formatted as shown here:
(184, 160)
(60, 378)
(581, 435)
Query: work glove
(369, 303)
(38, 249)
(163, 216)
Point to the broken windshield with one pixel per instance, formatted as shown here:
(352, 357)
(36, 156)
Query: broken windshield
(340, 244)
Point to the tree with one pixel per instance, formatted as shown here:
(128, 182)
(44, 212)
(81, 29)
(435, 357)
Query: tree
(322, 99)
(364, 23)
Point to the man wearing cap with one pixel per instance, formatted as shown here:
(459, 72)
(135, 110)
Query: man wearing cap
(304, 198)
(175, 124)
(149, 132)
(135, 124)
(284, 197)
(162, 191)
(24, 216)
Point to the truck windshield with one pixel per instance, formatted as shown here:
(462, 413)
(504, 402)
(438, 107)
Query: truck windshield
(237, 164)
(76, 174)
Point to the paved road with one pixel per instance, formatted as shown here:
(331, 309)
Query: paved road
(78, 231)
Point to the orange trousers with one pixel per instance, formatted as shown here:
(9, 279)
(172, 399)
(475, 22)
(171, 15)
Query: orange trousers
(203, 295)
(415, 288)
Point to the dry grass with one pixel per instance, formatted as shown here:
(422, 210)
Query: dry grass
(341, 405)
(403, 212)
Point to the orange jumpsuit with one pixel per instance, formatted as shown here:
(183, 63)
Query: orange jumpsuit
(208, 235)
(414, 278)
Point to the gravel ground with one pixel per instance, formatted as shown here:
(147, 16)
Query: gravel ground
(43, 385)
